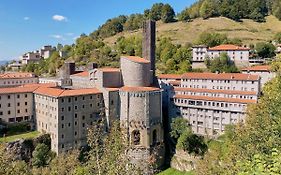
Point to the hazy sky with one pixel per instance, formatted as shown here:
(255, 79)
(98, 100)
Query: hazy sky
(26, 25)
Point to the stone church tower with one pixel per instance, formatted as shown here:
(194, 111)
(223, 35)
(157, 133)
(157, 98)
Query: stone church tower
(141, 105)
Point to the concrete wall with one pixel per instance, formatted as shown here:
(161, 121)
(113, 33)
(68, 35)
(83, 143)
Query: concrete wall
(135, 74)
(239, 85)
(8, 82)
(265, 75)
(67, 118)
(16, 107)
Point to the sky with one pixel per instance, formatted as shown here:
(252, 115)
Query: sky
(27, 25)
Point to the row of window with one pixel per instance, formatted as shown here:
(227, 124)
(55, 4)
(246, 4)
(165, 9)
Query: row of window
(19, 82)
(17, 96)
(19, 119)
(76, 98)
(9, 112)
(216, 95)
(214, 104)
(219, 81)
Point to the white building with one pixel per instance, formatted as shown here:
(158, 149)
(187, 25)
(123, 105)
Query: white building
(262, 70)
(46, 51)
(17, 79)
(30, 57)
(210, 101)
(239, 55)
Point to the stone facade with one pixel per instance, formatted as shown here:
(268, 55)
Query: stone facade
(66, 118)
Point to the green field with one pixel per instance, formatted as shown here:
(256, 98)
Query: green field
(19, 136)
(171, 171)
(188, 32)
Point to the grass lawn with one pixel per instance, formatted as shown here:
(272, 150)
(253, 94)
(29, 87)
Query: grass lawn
(19, 136)
(171, 171)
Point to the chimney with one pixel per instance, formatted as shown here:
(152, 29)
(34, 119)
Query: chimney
(148, 45)
(92, 65)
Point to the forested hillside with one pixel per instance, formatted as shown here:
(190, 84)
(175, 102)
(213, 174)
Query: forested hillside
(175, 34)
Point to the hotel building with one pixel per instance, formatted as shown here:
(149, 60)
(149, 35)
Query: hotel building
(210, 101)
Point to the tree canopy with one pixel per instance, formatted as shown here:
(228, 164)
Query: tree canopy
(236, 10)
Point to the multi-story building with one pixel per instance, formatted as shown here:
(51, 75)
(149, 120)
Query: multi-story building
(17, 103)
(17, 79)
(210, 101)
(30, 57)
(66, 115)
(46, 51)
(262, 70)
(239, 55)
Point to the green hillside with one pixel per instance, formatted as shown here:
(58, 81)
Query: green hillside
(248, 31)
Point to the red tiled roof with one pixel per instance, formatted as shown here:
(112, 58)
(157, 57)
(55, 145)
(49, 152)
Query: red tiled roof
(175, 82)
(265, 68)
(81, 74)
(227, 47)
(109, 69)
(169, 76)
(221, 76)
(136, 59)
(138, 89)
(16, 75)
(215, 91)
(25, 88)
(112, 89)
(56, 92)
(17, 90)
(206, 98)
(77, 92)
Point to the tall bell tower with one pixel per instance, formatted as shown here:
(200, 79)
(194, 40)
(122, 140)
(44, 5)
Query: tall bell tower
(141, 106)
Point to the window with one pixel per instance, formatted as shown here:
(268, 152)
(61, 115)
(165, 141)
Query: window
(9, 104)
(112, 102)
(18, 104)
(62, 145)
(62, 118)
(69, 108)
(136, 137)
(75, 107)
(62, 125)
(1, 112)
(75, 99)
(69, 124)
(154, 137)
(9, 96)
(83, 117)
(75, 123)
(69, 99)
(62, 109)
(18, 96)
(25, 110)
(62, 136)
(25, 103)
(11, 120)
(62, 100)
(75, 133)
(83, 124)
(75, 115)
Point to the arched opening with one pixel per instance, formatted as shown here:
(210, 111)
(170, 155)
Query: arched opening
(154, 137)
(136, 137)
